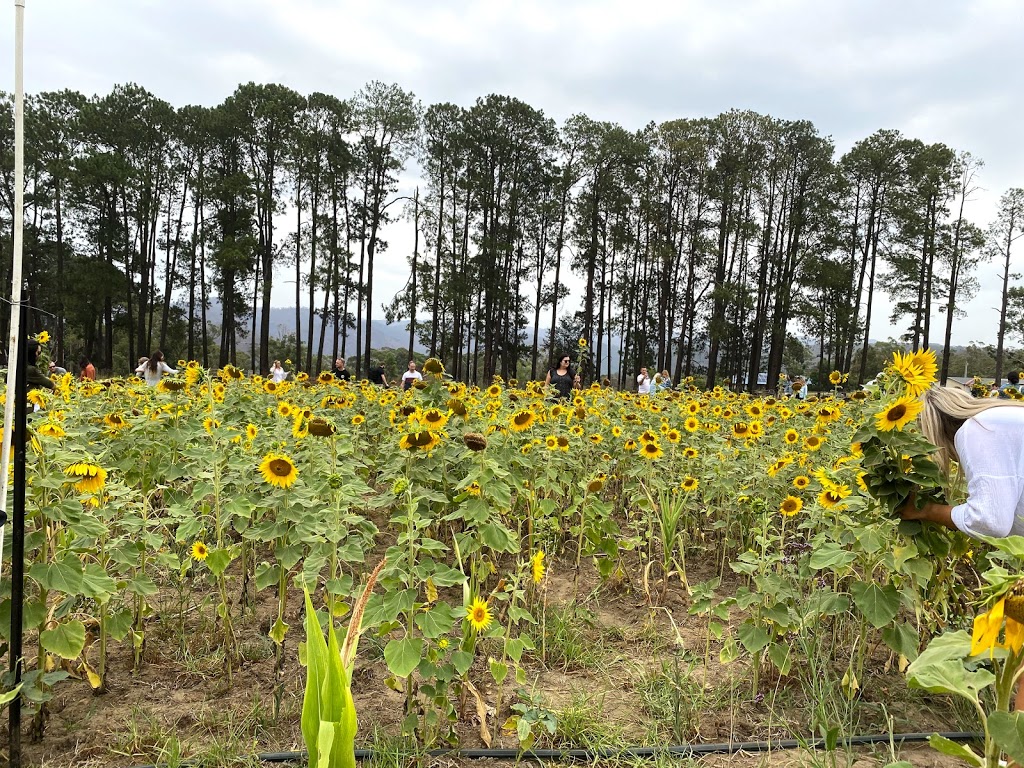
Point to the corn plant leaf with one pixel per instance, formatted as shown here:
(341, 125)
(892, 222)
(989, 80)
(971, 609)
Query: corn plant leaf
(316, 667)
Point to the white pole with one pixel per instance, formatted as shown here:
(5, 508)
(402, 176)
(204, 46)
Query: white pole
(14, 343)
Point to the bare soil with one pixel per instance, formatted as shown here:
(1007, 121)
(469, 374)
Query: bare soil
(182, 696)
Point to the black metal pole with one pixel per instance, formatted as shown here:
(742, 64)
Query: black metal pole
(18, 539)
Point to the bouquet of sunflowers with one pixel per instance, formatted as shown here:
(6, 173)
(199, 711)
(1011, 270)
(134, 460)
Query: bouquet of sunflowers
(897, 459)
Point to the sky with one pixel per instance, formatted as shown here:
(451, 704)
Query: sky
(937, 70)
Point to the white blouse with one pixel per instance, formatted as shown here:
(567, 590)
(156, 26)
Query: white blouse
(991, 449)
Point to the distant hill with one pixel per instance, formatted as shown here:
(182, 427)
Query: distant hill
(282, 324)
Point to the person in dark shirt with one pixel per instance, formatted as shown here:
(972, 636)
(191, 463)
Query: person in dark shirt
(376, 376)
(562, 378)
(33, 376)
(340, 371)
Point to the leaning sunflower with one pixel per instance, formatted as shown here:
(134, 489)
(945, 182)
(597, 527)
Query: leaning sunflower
(522, 420)
(278, 470)
(899, 413)
(89, 477)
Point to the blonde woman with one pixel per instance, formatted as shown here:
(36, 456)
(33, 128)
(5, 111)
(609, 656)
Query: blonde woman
(986, 438)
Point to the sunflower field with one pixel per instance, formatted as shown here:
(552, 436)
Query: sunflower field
(730, 564)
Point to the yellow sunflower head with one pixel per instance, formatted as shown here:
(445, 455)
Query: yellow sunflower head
(478, 614)
(899, 413)
(278, 470)
(790, 506)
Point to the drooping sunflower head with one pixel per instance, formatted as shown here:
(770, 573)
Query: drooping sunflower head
(537, 566)
(88, 477)
(474, 441)
(741, 429)
(49, 429)
(278, 470)
(115, 421)
(420, 441)
(320, 427)
(433, 366)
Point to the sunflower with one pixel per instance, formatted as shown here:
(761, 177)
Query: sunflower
(596, 438)
(89, 477)
(522, 420)
(251, 430)
(563, 443)
(210, 425)
(924, 359)
(648, 437)
(690, 484)
(278, 470)
(692, 424)
(651, 451)
(537, 566)
(478, 614)
(358, 419)
(433, 366)
(629, 445)
(434, 418)
(740, 429)
(830, 498)
(985, 634)
(791, 437)
(790, 506)
(199, 551)
(801, 481)
(673, 435)
(494, 390)
(115, 421)
(693, 408)
(691, 453)
(474, 441)
(283, 409)
(49, 429)
(616, 431)
(582, 343)
(321, 427)
(42, 337)
(898, 414)
(420, 441)
(325, 377)
(577, 430)
(912, 373)
(813, 442)
(473, 489)
(835, 378)
(756, 429)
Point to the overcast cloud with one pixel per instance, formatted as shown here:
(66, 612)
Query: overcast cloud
(941, 70)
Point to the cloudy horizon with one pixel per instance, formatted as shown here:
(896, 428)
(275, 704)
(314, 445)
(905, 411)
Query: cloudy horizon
(939, 72)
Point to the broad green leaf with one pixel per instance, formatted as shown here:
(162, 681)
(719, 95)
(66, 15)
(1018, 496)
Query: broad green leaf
(948, 676)
(878, 604)
(142, 585)
(8, 696)
(218, 560)
(781, 658)
(403, 656)
(67, 639)
(97, 584)
(436, 622)
(951, 748)
(462, 661)
(753, 637)
(64, 575)
(832, 557)
(902, 638)
(119, 624)
(498, 537)
(1007, 728)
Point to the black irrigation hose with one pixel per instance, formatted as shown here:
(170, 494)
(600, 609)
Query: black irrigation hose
(679, 750)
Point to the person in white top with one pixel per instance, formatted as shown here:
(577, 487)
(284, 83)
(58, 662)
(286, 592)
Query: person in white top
(277, 373)
(643, 383)
(986, 438)
(411, 375)
(153, 369)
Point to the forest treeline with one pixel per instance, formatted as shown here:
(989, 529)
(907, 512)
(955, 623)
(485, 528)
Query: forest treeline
(700, 243)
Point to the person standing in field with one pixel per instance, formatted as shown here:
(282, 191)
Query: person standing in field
(411, 376)
(562, 378)
(643, 383)
(154, 368)
(376, 376)
(339, 370)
